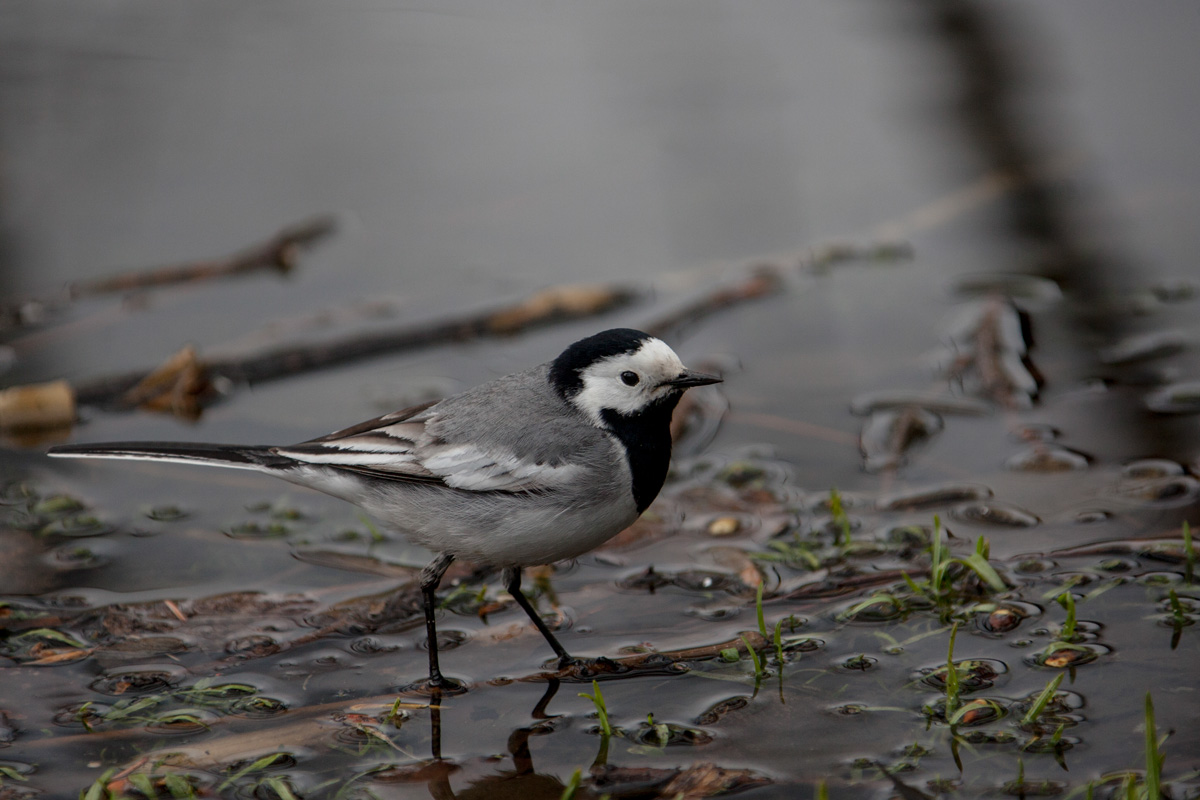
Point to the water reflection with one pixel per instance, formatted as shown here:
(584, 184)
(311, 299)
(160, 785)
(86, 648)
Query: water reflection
(995, 70)
(517, 777)
(519, 781)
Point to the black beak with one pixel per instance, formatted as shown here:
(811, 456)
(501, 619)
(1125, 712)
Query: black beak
(688, 378)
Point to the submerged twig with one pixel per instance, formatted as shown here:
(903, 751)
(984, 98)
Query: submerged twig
(762, 281)
(278, 253)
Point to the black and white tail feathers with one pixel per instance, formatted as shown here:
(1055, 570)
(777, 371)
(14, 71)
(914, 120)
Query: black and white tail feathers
(220, 455)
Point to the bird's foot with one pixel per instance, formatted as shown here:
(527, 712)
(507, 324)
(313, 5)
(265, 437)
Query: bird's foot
(588, 668)
(435, 687)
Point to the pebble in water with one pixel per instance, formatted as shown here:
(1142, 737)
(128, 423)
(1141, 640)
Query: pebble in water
(724, 526)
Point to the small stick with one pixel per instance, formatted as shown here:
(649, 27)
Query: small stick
(278, 253)
(762, 281)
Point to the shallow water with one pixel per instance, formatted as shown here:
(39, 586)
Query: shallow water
(232, 632)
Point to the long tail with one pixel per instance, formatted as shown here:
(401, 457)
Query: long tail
(220, 455)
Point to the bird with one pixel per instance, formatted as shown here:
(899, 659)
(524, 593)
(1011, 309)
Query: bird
(535, 467)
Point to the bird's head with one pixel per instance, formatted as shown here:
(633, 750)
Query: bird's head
(622, 371)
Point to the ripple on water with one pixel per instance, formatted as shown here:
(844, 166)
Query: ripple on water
(1145, 346)
(1047, 458)
(650, 580)
(137, 680)
(1175, 398)
(933, 496)
(713, 714)
(1175, 490)
(255, 645)
(974, 674)
(1067, 655)
(998, 514)
(1005, 617)
(1033, 290)
(936, 402)
(669, 734)
(1151, 468)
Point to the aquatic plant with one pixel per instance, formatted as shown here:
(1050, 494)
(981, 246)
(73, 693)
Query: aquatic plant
(1067, 631)
(953, 687)
(1154, 755)
(939, 586)
(1189, 553)
(1039, 704)
(597, 698)
(257, 765)
(759, 670)
(840, 518)
(758, 609)
(572, 785)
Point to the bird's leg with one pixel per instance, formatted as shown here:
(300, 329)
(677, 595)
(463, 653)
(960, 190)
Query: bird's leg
(431, 576)
(512, 582)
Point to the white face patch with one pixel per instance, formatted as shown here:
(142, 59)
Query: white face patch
(604, 387)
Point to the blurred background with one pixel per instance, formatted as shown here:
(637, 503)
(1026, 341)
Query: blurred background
(474, 153)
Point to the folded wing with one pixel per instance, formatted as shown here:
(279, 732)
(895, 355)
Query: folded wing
(406, 446)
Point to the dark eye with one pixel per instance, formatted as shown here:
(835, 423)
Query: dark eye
(630, 378)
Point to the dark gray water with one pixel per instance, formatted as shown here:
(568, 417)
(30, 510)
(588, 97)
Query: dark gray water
(474, 155)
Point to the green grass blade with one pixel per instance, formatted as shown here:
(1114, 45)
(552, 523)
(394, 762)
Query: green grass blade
(762, 624)
(1039, 705)
(572, 786)
(978, 564)
(1067, 601)
(754, 657)
(601, 709)
(952, 688)
(1189, 554)
(1153, 758)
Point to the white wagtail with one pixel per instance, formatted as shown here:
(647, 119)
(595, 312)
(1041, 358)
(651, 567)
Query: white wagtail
(532, 468)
